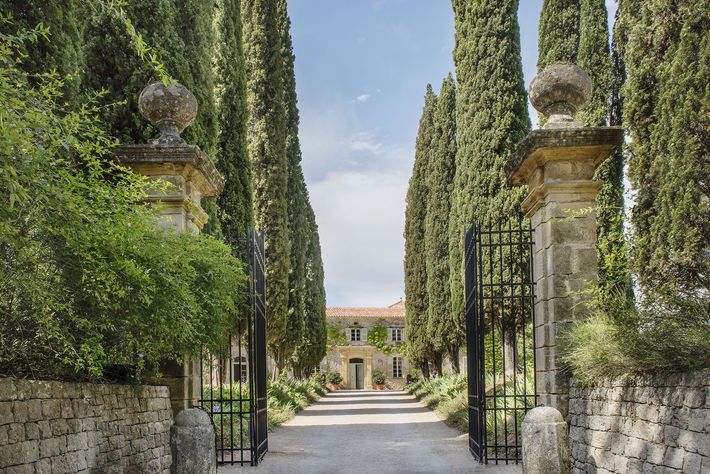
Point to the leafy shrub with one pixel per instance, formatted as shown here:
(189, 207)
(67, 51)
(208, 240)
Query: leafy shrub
(319, 378)
(334, 377)
(664, 332)
(378, 377)
(88, 280)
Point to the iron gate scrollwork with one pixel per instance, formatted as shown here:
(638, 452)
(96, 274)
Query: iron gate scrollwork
(233, 380)
(500, 315)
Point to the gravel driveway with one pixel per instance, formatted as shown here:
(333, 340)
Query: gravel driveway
(355, 431)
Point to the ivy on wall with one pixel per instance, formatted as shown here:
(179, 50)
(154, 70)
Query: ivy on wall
(377, 336)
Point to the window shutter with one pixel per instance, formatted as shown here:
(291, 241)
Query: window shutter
(389, 334)
(363, 334)
(349, 334)
(389, 367)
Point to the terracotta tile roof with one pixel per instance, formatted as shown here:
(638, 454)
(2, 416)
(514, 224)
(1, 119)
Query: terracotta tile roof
(395, 310)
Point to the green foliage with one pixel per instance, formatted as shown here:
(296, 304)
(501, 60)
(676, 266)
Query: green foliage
(442, 331)
(666, 110)
(378, 377)
(491, 118)
(336, 337)
(62, 52)
(296, 196)
(415, 276)
(313, 344)
(266, 142)
(194, 23)
(377, 336)
(235, 201)
(447, 395)
(666, 333)
(89, 281)
(558, 32)
(334, 377)
(120, 72)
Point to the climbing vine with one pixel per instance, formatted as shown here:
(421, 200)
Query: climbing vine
(377, 336)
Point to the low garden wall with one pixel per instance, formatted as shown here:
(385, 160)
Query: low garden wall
(58, 427)
(642, 424)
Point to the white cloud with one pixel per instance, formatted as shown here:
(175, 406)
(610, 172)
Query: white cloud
(361, 219)
(362, 98)
(357, 181)
(365, 141)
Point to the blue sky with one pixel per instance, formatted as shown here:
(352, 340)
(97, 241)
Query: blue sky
(361, 70)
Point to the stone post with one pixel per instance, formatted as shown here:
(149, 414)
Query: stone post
(557, 163)
(192, 442)
(545, 442)
(191, 176)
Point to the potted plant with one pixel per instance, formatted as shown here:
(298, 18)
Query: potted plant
(334, 379)
(378, 380)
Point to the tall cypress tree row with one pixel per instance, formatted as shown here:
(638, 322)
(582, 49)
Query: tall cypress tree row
(595, 59)
(297, 197)
(491, 118)
(115, 67)
(441, 332)
(558, 32)
(235, 202)
(416, 302)
(63, 51)
(266, 142)
(666, 110)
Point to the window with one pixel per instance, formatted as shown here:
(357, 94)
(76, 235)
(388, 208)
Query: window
(397, 367)
(355, 334)
(240, 368)
(396, 334)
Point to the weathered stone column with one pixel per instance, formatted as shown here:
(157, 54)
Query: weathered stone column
(557, 163)
(192, 176)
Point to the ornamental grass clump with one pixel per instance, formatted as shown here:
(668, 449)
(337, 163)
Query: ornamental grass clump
(664, 332)
(90, 287)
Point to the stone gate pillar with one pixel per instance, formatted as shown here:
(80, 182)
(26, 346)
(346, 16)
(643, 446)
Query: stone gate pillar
(192, 176)
(557, 163)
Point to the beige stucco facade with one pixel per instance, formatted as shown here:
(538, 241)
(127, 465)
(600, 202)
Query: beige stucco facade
(357, 359)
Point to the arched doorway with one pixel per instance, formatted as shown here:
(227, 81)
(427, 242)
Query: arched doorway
(356, 373)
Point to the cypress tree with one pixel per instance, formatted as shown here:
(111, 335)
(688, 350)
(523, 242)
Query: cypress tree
(235, 202)
(666, 109)
(315, 335)
(491, 118)
(297, 197)
(266, 141)
(63, 51)
(195, 25)
(116, 69)
(442, 333)
(558, 32)
(594, 57)
(415, 272)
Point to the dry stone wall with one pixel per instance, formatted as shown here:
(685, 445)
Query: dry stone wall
(58, 427)
(655, 424)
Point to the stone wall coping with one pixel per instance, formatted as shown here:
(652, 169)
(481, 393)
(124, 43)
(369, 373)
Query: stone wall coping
(541, 146)
(148, 154)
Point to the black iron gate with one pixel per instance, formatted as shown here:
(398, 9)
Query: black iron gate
(500, 338)
(233, 381)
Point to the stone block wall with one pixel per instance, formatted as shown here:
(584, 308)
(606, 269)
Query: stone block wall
(58, 427)
(658, 424)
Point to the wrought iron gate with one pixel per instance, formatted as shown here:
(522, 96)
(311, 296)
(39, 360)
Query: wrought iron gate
(233, 381)
(500, 338)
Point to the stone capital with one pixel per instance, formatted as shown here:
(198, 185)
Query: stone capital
(558, 165)
(190, 172)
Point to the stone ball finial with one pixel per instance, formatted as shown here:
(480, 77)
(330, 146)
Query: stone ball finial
(170, 108)
(558, 92)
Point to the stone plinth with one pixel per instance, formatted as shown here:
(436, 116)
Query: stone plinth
(190, 172)
(558, 166)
